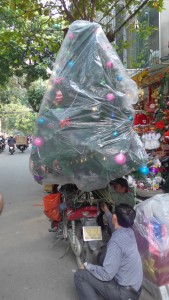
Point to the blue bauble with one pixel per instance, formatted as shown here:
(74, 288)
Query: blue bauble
(130, 118)
(144, 170)
(113, 116)
(71, 63)
(40, 121)
(119, 78)
(115, 134)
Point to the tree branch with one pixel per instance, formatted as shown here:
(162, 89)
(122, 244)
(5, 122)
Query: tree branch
(92, 10)
(67, 12)
(78, 10)
(131, 16)
(111, 34)
(110, 9)
(84, 10)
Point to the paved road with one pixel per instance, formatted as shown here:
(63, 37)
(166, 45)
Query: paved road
(30, 265)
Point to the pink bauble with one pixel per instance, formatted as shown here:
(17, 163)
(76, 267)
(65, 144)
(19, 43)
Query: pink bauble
(59, 96)
(120, 159)
(109, 64)
(168, 103)
(71, 36)
(110, 97)
(57, 81)
(38, 142)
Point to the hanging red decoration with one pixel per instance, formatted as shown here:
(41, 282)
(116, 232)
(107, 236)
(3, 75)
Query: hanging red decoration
(160, 124)
(166, 137)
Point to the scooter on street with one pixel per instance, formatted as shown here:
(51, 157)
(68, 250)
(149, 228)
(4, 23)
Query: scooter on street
(74, 219)
(22, 148)
(11, 149)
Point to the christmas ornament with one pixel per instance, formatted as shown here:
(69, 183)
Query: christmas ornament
(59, 96)
(160, 124)
(168, 103)
(57, 26)
(153, 170)
(38, 142)
(38, 178)
(41, 121)
(71, 36)
(166, 137)
(64, 123)
(57, 81)
(115, 133)
(144, 170)
(109, 65)
(102, 82)
(110, 97)
(130, 118)
(71, 63)
(119, 78)
(120, 159)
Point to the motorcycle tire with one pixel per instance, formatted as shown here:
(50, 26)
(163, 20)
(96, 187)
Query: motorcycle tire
(86, 253)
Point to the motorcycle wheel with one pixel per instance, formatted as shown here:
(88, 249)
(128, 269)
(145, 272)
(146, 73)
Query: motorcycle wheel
(86, 253)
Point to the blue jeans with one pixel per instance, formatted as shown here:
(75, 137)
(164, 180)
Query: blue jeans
(88, 288)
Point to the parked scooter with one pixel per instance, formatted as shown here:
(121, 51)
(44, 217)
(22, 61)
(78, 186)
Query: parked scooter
(1, 146)
(68, 220)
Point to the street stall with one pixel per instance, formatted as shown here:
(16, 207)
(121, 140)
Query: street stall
(152, 124)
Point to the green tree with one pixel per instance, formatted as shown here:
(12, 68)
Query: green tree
(32, 31)
(15, 112)
(35, 94)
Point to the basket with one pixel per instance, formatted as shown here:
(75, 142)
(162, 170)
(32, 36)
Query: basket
(51, 206)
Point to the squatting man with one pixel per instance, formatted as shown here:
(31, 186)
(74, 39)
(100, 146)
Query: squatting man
(120, 276)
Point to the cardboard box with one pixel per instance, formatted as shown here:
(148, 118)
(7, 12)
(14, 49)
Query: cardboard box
(21, 140)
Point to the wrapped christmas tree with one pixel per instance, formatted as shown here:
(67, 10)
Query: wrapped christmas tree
(84, 131)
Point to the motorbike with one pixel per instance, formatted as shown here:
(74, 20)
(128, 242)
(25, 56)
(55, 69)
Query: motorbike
(22, 148)
(71, 219)
(11, 149)
(2, 146)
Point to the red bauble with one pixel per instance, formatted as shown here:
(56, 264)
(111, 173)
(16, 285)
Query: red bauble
(160, 124)
(166, 137)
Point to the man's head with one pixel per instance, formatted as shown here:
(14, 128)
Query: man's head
(123, 216)
(120, 185)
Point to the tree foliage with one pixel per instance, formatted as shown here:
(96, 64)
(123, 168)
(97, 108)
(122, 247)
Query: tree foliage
(32, 31)
(15, 112)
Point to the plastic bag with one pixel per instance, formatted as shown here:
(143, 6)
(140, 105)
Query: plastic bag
(152, 223)
(84, 133)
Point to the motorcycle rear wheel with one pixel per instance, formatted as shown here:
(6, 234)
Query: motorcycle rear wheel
(86, 253)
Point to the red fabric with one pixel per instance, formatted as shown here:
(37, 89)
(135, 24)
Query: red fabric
(51, 206)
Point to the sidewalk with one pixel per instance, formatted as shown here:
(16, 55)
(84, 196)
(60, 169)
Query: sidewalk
(146, 296)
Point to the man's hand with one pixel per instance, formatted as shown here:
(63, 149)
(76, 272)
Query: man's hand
(104, 207)
(81, 267)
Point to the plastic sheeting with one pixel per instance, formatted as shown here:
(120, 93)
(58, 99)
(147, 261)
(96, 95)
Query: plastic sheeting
(152, 223)
(84, 133)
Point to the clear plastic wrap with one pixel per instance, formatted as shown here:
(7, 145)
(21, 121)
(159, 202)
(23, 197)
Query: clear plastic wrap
(152, 233)
(84, 133)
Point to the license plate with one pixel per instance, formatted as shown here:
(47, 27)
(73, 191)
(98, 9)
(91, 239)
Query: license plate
(92, 233)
